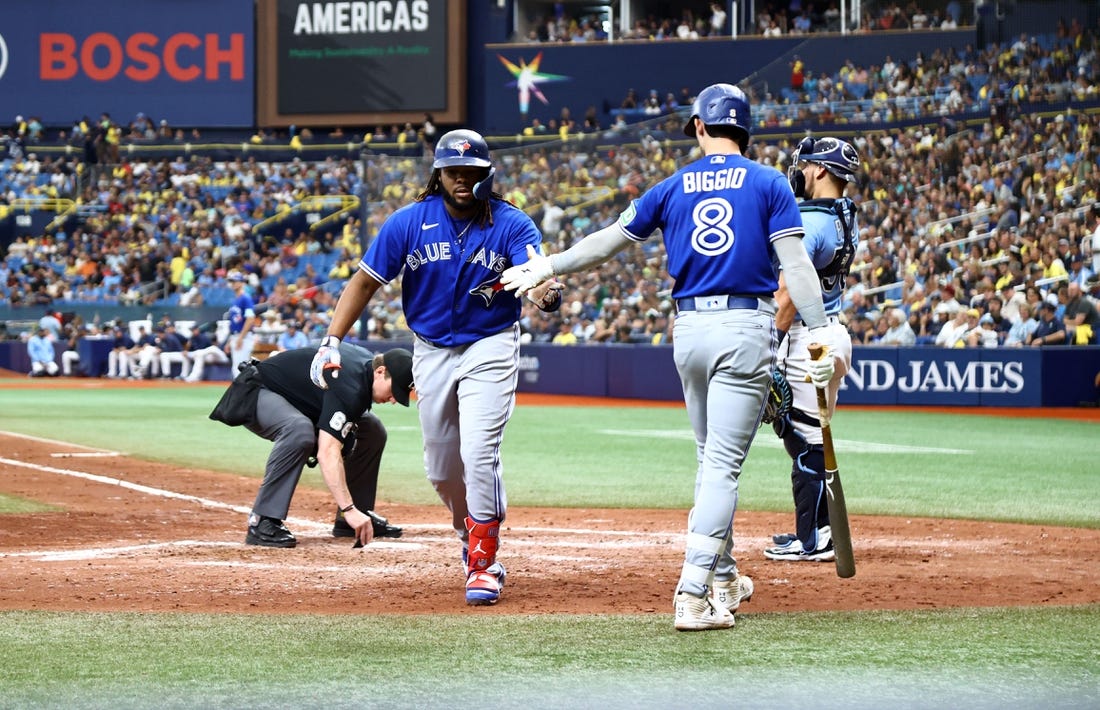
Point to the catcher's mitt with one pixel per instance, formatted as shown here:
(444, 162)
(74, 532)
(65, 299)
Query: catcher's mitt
(778, 400)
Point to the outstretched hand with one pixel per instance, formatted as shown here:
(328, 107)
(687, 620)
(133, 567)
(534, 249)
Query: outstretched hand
(521, 278)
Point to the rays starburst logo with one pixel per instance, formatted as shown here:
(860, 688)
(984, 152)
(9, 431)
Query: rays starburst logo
(528, 78)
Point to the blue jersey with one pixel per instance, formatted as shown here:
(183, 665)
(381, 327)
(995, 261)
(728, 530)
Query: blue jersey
(451, 289)
(718, 216)
(170, 343)
(826, 222)
(826, 228)
(123, 342)
(243, 308)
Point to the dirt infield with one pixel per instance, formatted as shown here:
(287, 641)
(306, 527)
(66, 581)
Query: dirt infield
(133, 535)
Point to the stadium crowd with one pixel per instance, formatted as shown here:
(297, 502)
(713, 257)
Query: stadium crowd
(773, 19)
(973, 234)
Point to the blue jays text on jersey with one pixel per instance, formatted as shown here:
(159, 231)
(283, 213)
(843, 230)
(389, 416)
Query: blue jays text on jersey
(712, 208)
(451, 283)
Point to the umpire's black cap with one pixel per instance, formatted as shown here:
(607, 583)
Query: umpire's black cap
(399, 364)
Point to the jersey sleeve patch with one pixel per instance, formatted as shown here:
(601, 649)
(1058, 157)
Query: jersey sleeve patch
(337, 422)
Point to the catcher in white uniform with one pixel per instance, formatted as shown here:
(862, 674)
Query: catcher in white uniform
(820, 173)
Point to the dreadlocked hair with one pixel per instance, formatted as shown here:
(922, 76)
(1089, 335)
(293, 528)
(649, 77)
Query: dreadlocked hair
(484, 214)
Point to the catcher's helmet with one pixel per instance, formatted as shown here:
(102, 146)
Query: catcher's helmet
(721, 105)
(462, 147)
(835, 155)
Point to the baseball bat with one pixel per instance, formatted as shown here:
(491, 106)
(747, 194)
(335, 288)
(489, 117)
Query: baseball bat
(834, 492)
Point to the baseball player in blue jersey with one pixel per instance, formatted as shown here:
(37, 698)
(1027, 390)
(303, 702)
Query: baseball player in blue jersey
(452, 244)
(242, 318)
(820, 171)
(723, 217)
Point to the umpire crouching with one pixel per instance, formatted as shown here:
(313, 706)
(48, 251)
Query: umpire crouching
(336, 424)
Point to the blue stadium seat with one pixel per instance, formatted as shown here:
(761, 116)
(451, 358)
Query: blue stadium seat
(977, 81)
(268, 283)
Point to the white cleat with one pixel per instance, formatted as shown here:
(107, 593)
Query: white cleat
(730, 593)
(700, 614)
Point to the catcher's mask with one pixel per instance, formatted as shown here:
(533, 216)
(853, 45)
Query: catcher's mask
(833, 154)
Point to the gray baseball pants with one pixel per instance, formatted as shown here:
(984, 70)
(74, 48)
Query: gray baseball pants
(295, 438)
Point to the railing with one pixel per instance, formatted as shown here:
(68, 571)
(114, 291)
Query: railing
(884, 287)
(964, 240)
(313, 203)
(50, 204)
(348, 204)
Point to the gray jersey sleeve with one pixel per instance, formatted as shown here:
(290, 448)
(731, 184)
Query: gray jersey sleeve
(591, 251)
(801, 277)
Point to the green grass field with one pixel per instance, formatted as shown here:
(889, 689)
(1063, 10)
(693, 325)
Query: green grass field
(914, 464)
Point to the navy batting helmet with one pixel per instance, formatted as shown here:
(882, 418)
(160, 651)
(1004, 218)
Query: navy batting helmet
(721, 105)
(462, 147)
(835, 155)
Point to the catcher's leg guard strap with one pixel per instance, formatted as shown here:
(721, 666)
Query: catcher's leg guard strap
(810, 504)
(484, 539)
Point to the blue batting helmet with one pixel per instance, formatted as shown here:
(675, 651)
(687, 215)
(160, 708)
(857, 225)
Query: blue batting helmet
(835, 155)
(721, 105)
(462, 147)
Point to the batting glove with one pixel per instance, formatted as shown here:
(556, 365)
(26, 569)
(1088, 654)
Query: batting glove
(820, 372)
(521, 278)
(327, 358)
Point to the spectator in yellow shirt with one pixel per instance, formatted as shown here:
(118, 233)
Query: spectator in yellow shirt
(564, 336)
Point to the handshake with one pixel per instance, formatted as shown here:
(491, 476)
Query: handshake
(534, 278)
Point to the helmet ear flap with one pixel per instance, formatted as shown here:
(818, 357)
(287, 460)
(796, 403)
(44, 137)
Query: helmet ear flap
(483, 189)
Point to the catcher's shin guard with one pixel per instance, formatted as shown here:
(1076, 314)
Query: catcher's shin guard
(484, 539)
(811, 506)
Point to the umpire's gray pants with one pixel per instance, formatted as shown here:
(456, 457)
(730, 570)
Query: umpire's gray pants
(295, 438)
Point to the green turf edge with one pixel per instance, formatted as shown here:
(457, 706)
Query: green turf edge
(1024, 657)
(13, 505)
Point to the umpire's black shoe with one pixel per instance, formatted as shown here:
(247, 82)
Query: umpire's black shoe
(382, 527)
(269, 532)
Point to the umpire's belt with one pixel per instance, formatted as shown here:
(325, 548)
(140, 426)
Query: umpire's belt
(723, 303)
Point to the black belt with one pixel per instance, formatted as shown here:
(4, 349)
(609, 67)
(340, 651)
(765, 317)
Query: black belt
(718, 303)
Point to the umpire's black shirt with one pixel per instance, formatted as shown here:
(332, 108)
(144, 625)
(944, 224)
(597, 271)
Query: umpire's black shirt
(333, 410)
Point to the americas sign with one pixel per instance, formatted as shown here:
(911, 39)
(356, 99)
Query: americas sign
(190, 63)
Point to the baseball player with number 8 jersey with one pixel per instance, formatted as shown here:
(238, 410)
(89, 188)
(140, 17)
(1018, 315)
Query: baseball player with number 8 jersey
(722, 217)
(452, 245)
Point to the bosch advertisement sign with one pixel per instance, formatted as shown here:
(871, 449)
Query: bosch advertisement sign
(189, 62)
(359, 61)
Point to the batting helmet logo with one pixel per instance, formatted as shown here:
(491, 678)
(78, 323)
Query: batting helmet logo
(462, 148)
